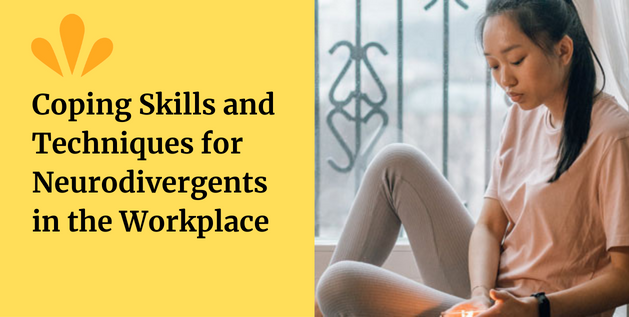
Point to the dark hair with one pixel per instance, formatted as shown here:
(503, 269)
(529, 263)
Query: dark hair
(546, 22)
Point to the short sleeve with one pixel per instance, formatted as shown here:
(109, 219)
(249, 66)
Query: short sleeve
(613, 193)
(496, 169)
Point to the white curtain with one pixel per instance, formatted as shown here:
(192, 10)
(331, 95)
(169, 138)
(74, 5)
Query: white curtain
(607, 26)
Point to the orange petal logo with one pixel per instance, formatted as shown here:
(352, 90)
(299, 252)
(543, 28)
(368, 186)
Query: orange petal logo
(72, 31)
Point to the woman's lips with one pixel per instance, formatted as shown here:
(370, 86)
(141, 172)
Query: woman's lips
(515, 97)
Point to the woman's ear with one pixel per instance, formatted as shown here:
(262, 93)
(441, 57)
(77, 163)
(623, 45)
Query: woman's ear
(564, 49)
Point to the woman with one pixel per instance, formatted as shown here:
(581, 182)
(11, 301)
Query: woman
(555, 218)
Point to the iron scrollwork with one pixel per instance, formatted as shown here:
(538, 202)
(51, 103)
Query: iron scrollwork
(433, 2)
(357, 56)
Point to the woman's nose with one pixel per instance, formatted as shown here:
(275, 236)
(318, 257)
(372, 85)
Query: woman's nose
(506, 78)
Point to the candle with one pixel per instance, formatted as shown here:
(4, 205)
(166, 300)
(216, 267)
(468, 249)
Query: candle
(462, 313)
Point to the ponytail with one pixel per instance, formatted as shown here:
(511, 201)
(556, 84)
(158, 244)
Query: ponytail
(580, 95)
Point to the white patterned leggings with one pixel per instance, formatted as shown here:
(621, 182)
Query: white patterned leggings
(400, 187)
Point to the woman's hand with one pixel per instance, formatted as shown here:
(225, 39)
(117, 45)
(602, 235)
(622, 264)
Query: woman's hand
(509, 305)
(476, 303)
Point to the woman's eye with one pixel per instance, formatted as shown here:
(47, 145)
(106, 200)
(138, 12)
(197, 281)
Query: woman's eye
(493, 67)
(518, 62)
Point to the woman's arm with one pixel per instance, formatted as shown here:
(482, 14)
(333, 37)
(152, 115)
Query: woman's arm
(484, 250)
(602, 293)
(484, 255)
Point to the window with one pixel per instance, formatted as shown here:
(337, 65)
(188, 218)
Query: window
(400, 71)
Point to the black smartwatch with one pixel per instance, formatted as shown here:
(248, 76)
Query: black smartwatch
(543, 304)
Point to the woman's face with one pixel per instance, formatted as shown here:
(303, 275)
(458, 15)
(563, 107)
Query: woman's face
(526, 73)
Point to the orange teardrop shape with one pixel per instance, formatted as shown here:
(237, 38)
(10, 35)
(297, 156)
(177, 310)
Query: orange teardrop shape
(44, 52)
(72, 31)
(100, 51)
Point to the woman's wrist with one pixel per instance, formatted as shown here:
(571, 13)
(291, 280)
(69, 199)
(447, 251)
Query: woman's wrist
(533, 305)
(480, 291)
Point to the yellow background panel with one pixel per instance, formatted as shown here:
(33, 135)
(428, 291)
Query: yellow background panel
(222, 49)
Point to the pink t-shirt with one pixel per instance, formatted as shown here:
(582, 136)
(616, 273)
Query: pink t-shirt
(559, 234)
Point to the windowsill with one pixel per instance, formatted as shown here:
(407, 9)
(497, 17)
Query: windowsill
(330, 245)
(400, 260)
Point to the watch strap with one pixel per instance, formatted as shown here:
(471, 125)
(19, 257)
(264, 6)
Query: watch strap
(543, 304)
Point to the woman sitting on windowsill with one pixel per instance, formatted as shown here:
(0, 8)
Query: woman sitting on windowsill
(555, 220)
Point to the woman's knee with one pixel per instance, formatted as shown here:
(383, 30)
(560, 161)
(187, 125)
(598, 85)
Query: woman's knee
(399, 156)
(339, 283)
(337, 278)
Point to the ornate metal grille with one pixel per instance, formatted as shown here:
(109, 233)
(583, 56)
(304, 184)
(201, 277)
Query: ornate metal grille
(350, 108)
